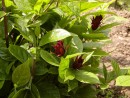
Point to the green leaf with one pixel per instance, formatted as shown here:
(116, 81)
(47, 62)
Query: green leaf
(78, 29)
(9, 3)
(69, 75)
(2, 13)
(21, 75)
(53, 70)
(64, 65)
(123, 80)
(37, 30)
(10, 27)
(87, 6)
(73, 7)
(24, 93)
(6, 55)
(41, 68)
(3, 67)
(74, 55)
(86, 77)
(19, 94)
(35, 91)
(41, 20)
(55, 35)
(94, 36)
(23, 5)
(8, 68)
(105, 72)
(49, 58)
(72, 85)
(87, 57)
(20, 53)
(86, 92)
(107, 26)
(116, 68)
(91, 45)
(2, 83)
(46, 1)
(48, 90)
(75, 46)
(38, 5)
(99, 52)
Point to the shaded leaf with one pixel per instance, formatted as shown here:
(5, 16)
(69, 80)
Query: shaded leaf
(116, 68)
(20, 53)
(1, 83)
(21, 75)
(72, 85)
(48, 90)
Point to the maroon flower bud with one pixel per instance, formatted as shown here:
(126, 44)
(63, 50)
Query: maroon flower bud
(59, 49)
(96, 22)
(78, 63)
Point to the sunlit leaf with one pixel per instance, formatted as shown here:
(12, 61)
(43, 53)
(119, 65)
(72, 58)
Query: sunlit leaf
(55, 35)
(123, 80)
(49, 58)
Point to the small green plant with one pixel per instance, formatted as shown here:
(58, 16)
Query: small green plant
(53, 49)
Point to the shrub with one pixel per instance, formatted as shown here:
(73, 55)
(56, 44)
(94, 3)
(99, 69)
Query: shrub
(53, 48)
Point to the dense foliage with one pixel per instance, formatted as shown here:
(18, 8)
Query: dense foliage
(53, 49)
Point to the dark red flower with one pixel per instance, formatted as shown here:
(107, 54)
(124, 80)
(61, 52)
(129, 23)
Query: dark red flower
(96, 22)
(78, 63)
(59, 49)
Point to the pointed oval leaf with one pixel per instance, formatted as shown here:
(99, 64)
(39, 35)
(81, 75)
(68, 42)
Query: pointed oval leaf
(55, 35)
(49, 58)
(24, 93)
(2, 13)
(123, 80)
(35, 91)
(24, 5)
(64, 65)
(86, 77)
(75, 46)
(21, 75)
(38, 5)
(48, 90)
(20, 53)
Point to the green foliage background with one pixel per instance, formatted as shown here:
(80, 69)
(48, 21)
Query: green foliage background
(29, 68)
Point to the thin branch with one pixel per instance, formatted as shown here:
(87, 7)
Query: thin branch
(5, 24)
(57, 3)
(33, 69)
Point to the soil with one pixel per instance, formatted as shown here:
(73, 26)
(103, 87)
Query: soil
(120, 47)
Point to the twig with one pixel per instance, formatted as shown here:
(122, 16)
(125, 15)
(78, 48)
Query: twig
(5, 24)
(33, 69)
(57, 3)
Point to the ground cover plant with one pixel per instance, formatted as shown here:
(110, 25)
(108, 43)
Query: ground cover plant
(53, 49)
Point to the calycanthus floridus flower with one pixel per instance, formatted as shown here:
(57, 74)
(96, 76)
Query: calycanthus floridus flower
(96, 22)
(78, 62)
(59, 49)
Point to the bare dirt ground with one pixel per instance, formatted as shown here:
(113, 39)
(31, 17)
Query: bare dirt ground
(120, 47)
(120, 35)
